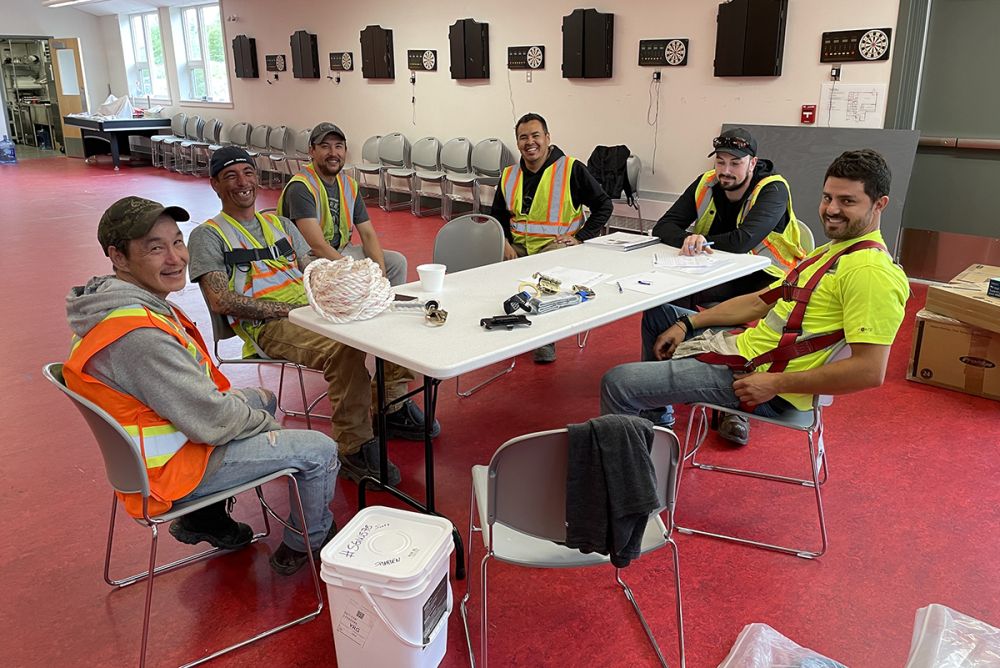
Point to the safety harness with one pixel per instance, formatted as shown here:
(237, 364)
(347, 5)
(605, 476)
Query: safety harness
(789, 346)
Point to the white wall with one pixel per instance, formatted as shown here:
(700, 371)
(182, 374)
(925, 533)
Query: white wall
(30, 18)
(581, 113)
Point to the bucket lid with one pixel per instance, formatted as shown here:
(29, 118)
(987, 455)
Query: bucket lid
(382, 544)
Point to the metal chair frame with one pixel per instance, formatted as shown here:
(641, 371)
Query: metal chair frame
(127, 474)
(425, 155)
(530, 523)
(810, 422)
(456, 160)
(178, 127)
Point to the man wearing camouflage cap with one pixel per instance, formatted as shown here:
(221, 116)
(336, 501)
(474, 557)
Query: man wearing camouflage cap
(142, 360)
(324, 204)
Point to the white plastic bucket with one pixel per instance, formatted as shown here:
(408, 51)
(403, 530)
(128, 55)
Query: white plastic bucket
(386, 574)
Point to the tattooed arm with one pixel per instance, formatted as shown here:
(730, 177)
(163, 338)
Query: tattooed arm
(222, 300)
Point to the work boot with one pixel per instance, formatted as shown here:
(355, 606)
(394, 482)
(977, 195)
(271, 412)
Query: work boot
(286, 561)
(660, 417)
(364, 462)
(407, 422)
(546, 354)
(212, 524)
(735, 429)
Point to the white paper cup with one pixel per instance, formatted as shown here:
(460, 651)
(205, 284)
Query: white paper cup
(431, 277)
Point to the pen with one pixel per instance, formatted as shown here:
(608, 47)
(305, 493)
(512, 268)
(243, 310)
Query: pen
(619, 284)
(643, 282)
(704, 245)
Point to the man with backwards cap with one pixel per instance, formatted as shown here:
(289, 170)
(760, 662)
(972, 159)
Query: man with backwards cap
(249, 266)
(142, 360)
(740, 206)
(323, 203)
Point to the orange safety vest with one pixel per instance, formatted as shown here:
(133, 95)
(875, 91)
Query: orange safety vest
(175, 465)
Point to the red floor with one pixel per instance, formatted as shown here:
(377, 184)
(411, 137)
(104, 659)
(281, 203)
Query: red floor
(913, 506)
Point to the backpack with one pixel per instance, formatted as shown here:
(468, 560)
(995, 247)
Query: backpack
(608, 166)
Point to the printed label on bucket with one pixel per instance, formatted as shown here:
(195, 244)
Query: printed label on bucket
(435, 607)
(356, 623)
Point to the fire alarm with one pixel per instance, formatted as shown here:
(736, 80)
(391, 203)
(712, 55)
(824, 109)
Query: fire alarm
(808, 114)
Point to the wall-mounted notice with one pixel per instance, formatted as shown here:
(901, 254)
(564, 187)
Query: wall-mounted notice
(852, 105)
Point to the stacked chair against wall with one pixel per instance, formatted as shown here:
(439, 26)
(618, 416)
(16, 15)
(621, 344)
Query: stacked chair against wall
(125, 468)
(258, 147)
(188, 150)
(178, 124)
(425, 156)
(519, 510)
(238, 135)
(489, 158)
(393, 152)
(368, 172)
(456, 160)
(171, 145)
(299, 156)
(280, 143)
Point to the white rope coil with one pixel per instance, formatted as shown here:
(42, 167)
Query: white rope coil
(344, 290)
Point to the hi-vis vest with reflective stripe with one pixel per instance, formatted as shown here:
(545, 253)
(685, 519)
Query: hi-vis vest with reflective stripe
(174, 464)
(278, 279)
(348, 188)
(782, 248)
(551, 212)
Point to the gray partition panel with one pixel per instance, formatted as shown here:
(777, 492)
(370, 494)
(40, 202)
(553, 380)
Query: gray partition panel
(802, 154)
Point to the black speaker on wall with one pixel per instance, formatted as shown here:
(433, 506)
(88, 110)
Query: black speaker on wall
(305, 55)
(376, 53)
(469, 43)
(245, 57)
(750, 38)
(588, 44)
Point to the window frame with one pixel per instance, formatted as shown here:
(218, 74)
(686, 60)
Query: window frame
(204, 62)
(146, 65)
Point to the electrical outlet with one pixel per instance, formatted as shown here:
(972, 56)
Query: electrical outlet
(835, 73)
(527, 76)
(656, 75)
(413, 77)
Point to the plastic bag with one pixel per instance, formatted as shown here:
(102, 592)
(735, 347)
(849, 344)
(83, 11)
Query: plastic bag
(945, 638)
(760, 646)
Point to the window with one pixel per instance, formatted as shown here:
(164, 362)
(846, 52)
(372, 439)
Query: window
(149, 71)
(204, 75)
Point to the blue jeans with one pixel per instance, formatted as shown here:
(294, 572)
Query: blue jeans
(314, 455)
(630, 388)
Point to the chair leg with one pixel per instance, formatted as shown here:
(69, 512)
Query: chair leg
(581, 339)
(698, 426)
(679, 606)
(468, 393)
(642, 617)
(463, 606)
(308, 413)
(151, 574)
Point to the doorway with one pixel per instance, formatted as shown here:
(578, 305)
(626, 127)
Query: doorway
(28, 95)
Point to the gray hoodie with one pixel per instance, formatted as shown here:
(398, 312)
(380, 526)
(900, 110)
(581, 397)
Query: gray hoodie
(149, 365)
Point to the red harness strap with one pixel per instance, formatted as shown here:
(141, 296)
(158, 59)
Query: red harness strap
(789, 347)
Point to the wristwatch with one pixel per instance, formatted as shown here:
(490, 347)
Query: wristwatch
(688, 327)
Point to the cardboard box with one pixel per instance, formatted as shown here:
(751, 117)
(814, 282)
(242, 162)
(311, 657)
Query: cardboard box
(950, 354)
(966, 298)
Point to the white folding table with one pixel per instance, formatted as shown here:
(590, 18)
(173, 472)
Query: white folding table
(461, 345)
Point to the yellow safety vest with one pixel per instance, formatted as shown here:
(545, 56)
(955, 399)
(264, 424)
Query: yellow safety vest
(348, 188)
(551, 213)
(783, 248)
(278, 279)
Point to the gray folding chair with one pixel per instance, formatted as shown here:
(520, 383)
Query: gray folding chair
(300, 155)
(489, 157)
(126, 471)
(258, 146)
(466, 242)
(178, 126)
(425, 156)
(199, 153)
(633, 169)
(393, 152)
(171, 145)
(221, 331)
(238, 135)
(280, 143)
(368, 172)
(187, 150)
(808, 422)
(456, 160)
(519, 508)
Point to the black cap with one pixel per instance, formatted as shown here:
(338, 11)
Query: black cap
(320, 132)
(132, 218)
(228, 155)
(736, 142)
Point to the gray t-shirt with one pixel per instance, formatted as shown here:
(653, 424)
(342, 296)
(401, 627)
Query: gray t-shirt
(299, 203)
(206, 248)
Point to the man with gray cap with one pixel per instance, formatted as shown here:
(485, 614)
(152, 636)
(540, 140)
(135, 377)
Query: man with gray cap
(142, 360)
(323, 203)
(249, 266)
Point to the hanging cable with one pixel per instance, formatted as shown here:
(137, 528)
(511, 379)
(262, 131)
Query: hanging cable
(510, 92)
(654, 87)
(413, 96)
